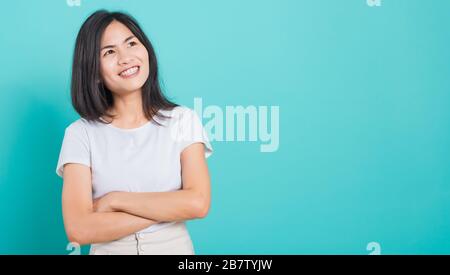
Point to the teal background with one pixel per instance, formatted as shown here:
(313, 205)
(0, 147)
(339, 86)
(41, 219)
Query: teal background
(364, 120)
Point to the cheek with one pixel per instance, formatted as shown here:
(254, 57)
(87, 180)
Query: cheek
(106, 70)
(146, 65)
(143, 55)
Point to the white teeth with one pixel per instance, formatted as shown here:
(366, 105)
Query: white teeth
(130, 71)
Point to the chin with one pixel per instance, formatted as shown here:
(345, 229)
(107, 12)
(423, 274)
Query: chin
(132, 86)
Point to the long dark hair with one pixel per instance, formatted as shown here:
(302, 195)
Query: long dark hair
(90, 98)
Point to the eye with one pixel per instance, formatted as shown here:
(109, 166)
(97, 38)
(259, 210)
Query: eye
(132, 43)
(108, 52)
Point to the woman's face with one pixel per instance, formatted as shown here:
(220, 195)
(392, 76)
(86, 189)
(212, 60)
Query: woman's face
(124, 64)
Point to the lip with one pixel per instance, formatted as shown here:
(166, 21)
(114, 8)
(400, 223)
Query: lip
(132, 75)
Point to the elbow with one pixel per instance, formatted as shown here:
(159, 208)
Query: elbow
(77, 235)
(201, 207)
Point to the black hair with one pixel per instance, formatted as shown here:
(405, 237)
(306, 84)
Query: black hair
(90, 97)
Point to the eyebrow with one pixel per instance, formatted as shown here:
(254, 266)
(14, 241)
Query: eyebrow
(112, 46)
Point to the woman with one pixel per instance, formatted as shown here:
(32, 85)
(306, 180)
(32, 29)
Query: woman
(133, 165)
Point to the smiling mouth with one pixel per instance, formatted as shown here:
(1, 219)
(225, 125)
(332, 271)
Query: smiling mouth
(131, 72)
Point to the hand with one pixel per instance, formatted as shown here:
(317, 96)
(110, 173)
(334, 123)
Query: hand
(104, 203)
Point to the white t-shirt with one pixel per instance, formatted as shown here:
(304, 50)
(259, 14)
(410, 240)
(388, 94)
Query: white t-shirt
(143, 159)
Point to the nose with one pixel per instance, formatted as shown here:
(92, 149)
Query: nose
(125, 59)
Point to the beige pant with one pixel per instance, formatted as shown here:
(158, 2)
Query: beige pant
(173, 239)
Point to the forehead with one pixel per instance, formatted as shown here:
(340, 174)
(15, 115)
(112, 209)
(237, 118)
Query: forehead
(115, 33)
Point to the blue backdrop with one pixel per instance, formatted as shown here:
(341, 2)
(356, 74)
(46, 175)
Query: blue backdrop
(363, 93)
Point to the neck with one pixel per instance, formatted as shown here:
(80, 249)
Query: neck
(128, 109)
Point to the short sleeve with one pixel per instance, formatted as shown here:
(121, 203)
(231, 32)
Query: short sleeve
(75, 147)
(191, 131)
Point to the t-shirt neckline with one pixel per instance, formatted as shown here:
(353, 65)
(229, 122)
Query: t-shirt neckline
(145, 125)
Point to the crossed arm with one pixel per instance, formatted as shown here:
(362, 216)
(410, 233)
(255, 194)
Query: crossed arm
(118, 214)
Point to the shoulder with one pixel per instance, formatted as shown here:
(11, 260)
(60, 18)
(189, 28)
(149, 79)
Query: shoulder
(80, 126)
(181, 110)
(179, 114)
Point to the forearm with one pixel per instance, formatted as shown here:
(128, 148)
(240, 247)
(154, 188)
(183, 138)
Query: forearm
(98, 227)
(177, 205)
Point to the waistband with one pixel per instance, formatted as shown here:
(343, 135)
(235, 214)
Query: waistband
(170, 231)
